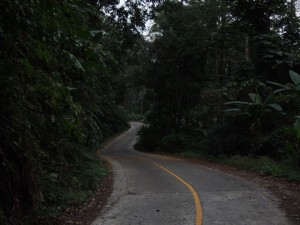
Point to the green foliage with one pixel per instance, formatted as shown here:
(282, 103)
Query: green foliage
(256, 108)
(173, 142)
(235, 52)
(273, 140)
(295, 87)
(263, 165)
(149, 137)
(232, 136)
(63, 189)
(296, 79)
(292, 146)
(208, 57)
(176, 66)
(58, 102)
(272, 31)
(135, 117)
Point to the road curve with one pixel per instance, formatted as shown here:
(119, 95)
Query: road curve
(153, 190)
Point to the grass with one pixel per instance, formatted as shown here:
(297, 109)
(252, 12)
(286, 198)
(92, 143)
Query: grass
(62, 190)
(263, 165)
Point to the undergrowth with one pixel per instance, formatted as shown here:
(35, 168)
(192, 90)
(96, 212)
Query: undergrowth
(73, 187)
(263, 165)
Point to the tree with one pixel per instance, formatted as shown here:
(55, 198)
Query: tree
(177, 64)
(264, 22)
(59, 74)
(198, 47)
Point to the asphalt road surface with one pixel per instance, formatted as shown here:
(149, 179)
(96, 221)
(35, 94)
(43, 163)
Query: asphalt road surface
(160, 190)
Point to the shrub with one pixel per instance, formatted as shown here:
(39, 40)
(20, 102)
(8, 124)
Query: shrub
(292, 146)
(273, 145)
(230, 137)
(148, 138)
(134, 116)
(173, 142)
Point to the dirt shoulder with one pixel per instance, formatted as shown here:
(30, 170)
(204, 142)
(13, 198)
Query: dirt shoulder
(288, 193)
(85, 213)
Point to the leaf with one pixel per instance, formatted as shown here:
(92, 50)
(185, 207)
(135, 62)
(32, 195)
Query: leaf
(27, 67)
(95, 32)
(297, 123)
(53, 118)
(295, 77)
(238, 103)
(255, 98)
(233, 110)
(279, 90)
(280, 53)
(268, 56)
(269, 99)
(276, 106)
(76, 62)
(277, 84)
(297, 127)
(70, 88)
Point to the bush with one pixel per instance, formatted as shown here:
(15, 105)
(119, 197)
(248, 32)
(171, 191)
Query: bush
(148, 138)
(57, 91)
(272, 145)
(264, 165)
(134, 116)
(173, 142)
(228, 137)
(60, 190)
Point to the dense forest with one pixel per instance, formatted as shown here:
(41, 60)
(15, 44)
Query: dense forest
(223, 83)
(217, 79)
(61, 66)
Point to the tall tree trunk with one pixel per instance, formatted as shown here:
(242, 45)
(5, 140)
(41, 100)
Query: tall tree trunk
(221, 69)
(293, 7)
(217, 63)
(247, 51)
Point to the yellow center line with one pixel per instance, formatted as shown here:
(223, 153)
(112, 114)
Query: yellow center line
(195, 195)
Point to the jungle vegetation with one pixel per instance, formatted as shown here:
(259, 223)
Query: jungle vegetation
(213, 78)
(223, 83)
(61, 66)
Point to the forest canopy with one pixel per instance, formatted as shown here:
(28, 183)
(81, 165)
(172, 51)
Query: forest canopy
(214, 78)
(61, 68)
(223, 80)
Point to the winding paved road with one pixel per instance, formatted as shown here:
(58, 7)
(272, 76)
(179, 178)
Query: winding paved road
(160, 190)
